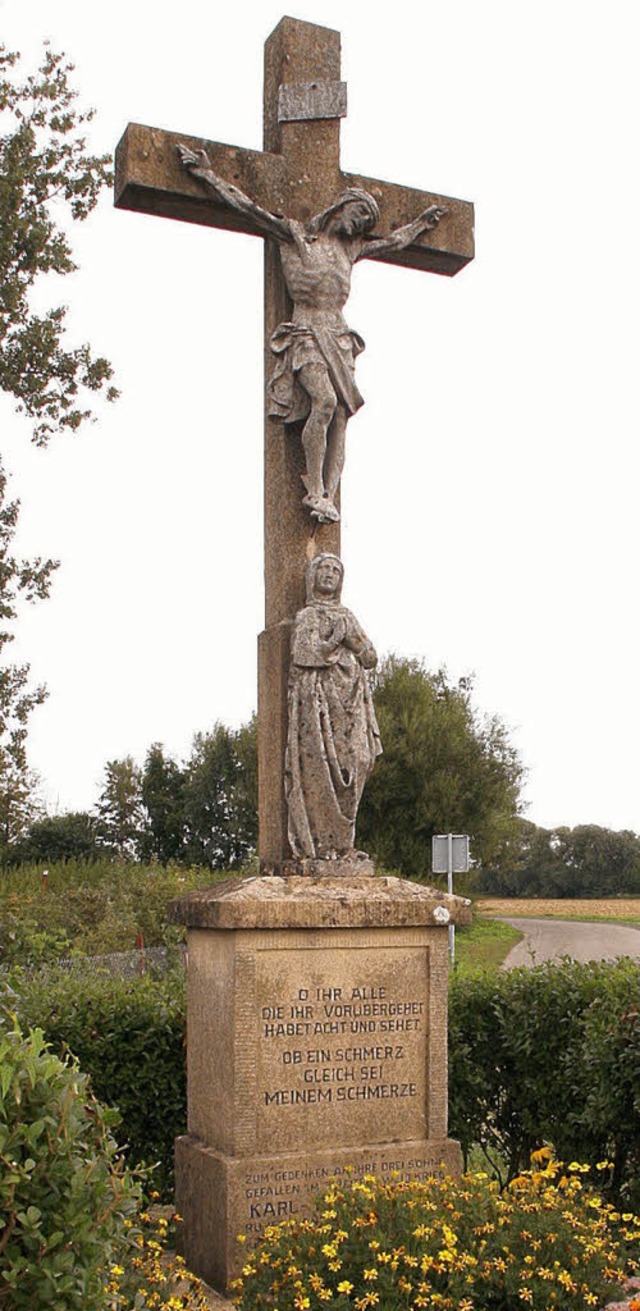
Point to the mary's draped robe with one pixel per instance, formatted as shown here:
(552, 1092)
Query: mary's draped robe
(333, 738)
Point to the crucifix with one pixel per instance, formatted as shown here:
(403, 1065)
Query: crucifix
(317, 221)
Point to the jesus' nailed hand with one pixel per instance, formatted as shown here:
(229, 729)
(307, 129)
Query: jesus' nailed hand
(314, 377)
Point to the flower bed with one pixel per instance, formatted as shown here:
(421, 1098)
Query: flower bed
(547, 1241)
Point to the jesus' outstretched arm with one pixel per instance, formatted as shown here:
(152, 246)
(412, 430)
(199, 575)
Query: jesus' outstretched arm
(199, 166)
(403, 237)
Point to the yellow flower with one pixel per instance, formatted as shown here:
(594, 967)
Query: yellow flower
(344, 1286)
(542, 1154)
(370, 1275)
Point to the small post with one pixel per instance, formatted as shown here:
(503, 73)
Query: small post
(45, 879)
(449, 854)
(452, 927)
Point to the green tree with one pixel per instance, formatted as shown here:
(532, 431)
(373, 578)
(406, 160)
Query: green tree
(21, 581)
(121, 823)
(47, 177)
(444, 769)
(586, 861)
(46, 174)
(163, 800)
(531, 865)
(220, 802)
(599, 861)
(71, 836)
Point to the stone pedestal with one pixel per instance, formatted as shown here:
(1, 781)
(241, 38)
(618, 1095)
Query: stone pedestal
(317, 1041)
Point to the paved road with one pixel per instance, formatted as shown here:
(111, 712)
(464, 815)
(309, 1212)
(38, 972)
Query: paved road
(551, 939)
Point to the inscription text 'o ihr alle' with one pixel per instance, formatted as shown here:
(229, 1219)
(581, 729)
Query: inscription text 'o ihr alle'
(346, 1046)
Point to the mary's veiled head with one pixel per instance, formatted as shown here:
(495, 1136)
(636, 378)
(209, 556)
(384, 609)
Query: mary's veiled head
(323, 578)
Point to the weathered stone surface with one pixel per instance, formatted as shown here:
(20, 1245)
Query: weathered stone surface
(309, 100)
(220, 1197)
(342, 867)
(313, 381)
(317, 1039)
(333, 738)
(298, 174)
(304, 902)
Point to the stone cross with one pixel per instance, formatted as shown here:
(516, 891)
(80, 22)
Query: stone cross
(297, 174)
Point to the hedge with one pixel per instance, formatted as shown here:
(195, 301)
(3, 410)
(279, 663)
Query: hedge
(550, 1054)
(130, 1036)
(543, 1055)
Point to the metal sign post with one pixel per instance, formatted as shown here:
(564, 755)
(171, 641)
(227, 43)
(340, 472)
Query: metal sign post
(450, 855)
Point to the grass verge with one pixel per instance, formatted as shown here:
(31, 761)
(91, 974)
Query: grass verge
(483, 945)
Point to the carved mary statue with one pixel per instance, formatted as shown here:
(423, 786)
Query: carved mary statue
(333, 738)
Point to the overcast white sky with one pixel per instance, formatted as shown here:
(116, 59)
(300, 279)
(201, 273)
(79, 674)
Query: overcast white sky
(491, 490)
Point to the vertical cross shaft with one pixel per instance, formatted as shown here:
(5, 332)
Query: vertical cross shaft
(295, 53)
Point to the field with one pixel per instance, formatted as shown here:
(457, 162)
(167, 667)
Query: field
(625, 910)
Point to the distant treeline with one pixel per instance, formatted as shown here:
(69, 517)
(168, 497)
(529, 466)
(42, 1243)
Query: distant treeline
(445, 769)
(586, 861)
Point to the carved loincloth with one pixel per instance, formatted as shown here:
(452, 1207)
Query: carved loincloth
(296, 346)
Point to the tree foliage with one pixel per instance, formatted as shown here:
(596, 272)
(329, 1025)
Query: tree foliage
(71, 836)
(444, 769)
(21, 581)
(47, 176)
(586, 861)
(163, 800)
(120, 816)
(220, 797)
(202, 812)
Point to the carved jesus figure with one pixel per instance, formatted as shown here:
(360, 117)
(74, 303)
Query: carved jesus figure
(314, 376)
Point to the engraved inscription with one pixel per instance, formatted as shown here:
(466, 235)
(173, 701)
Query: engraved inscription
(274, 1194)
(342, 1040)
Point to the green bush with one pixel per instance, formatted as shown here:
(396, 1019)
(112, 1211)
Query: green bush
(88, 908)
(65, 1197)
(550, 1054)
(451, 1244)
(130, 1036)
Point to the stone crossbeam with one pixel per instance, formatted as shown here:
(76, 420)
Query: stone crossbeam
(150, 180)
